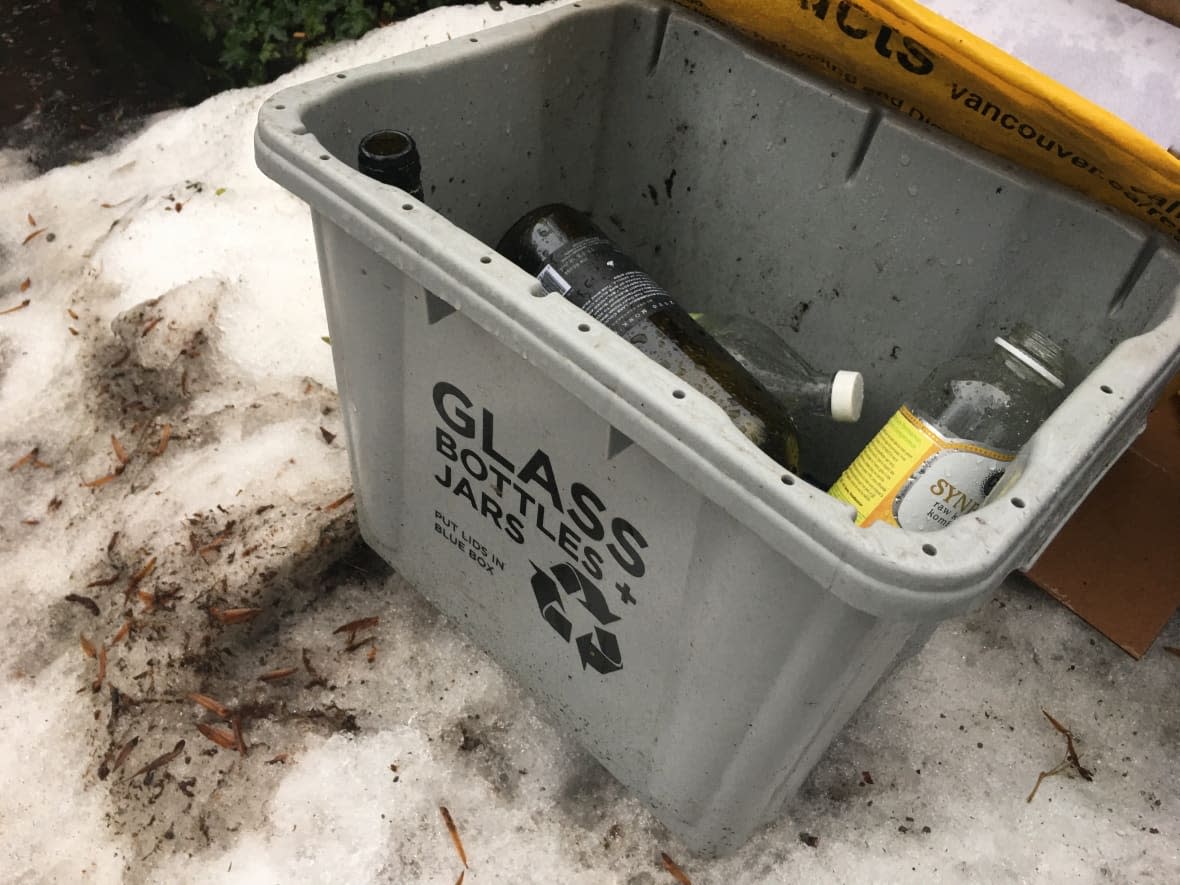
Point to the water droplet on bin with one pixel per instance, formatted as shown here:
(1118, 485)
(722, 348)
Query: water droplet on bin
(904, 159)
(912, 190)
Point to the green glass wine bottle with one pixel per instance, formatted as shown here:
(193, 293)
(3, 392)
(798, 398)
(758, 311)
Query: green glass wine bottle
(391, 157)
(573, 258)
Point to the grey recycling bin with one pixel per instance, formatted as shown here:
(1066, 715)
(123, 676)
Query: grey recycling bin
(701, 621)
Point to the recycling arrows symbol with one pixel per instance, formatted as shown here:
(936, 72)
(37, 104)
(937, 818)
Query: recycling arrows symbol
(598, 650)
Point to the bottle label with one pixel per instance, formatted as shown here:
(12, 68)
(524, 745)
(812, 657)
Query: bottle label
(913, 476)
(593, 274)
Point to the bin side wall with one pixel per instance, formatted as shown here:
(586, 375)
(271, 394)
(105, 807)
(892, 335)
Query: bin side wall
(700, 666)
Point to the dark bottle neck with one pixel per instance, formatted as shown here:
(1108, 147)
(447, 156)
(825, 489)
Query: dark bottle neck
(533, 240)
(391, 157)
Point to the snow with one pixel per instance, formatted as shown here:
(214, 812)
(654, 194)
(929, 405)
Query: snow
(1111, 53)
(199, 348)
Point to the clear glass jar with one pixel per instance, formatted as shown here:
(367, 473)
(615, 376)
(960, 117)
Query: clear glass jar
(998, 399)
(944, 450)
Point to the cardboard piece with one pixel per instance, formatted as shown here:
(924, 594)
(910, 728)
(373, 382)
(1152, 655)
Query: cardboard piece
(1117, 561)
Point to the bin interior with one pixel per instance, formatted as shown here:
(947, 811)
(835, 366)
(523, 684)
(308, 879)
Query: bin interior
(866, 240)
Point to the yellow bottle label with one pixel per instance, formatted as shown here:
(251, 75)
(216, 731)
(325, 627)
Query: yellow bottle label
(913, 476)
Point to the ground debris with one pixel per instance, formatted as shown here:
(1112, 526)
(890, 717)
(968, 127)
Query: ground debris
(354, 627)
(102, 669)
(1070, 752)
(120, 757)
(21, 306)
(241, 741)
(234, 615)
(120, 452)
(213, 544)
(1070, 761)
(122, 632)
(165, 435)
(123, 753)
(138, 577)
(454, 831)
(102, 480)
(190, 646)
(160, 761)
(215, 707)
(276, 675)
(361, 643)
(220, 736)
(672, 867)
(316, 678)
(85, 601)
(29, 457)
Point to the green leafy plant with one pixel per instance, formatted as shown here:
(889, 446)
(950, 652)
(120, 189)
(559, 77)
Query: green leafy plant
(264, 38)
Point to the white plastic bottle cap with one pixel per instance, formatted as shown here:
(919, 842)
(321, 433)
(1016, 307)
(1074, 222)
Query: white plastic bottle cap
(848, 396)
